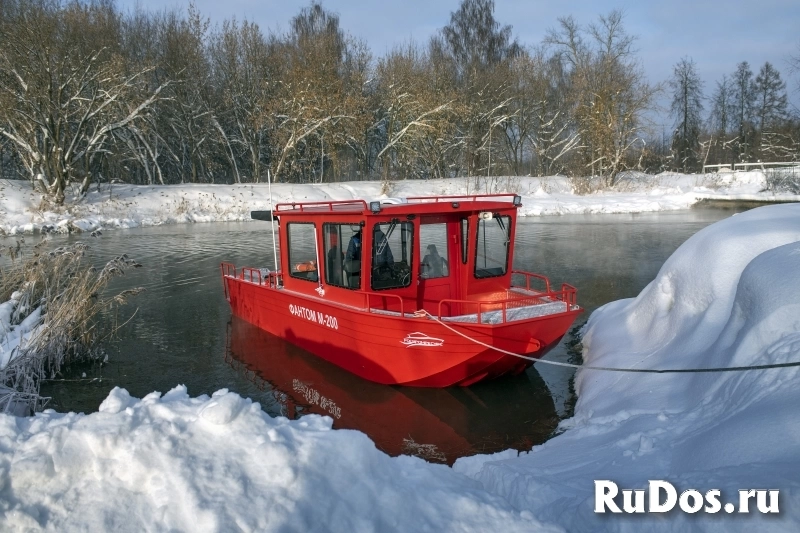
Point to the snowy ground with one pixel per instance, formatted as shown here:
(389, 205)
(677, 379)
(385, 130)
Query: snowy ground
(22, 210)
(730, 296)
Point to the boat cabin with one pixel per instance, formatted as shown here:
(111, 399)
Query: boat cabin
(400, 255)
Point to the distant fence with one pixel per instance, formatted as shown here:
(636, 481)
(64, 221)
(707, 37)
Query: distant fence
(715, 168)
(748, 166)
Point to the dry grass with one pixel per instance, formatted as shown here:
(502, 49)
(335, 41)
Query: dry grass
(585, 185)
(70, 295)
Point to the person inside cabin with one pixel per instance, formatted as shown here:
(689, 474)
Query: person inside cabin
(433, 264)
(333, 268)
(352, 260)
(382, 257)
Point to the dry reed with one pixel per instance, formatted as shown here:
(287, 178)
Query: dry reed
(70, 294)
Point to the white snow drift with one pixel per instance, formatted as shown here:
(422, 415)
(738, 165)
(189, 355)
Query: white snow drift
(729, 296)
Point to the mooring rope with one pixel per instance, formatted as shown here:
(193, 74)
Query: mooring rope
(422, 313)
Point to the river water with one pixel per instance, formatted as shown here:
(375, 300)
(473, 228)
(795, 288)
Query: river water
(181, 332)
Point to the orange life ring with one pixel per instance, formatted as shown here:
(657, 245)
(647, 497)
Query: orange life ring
(308, 266)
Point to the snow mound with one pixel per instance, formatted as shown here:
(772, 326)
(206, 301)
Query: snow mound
(729, 296)
(175, 463)
(14, 338)
(678, 319)
(223, 408)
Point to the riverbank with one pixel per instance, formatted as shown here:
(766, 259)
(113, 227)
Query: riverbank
(25, 211)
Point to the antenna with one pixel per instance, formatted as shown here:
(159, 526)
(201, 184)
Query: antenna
(272, 220)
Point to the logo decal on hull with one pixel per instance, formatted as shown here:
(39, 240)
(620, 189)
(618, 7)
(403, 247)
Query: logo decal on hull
(420, 339)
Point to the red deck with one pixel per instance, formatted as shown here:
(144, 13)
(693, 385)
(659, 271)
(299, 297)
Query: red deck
(367, 325)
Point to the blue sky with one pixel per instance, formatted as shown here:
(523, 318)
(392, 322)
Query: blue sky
(716, 34)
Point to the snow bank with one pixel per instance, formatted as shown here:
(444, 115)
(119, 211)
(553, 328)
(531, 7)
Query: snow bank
(175, 463)
(23, 210)
(729, 296)
(15, 337)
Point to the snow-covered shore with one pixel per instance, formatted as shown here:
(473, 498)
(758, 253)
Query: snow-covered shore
(23, 210)
(727, 297)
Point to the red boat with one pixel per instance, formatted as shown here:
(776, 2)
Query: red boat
(414, 291)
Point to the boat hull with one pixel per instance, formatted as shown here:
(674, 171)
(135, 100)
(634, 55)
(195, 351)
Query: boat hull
(411, 351)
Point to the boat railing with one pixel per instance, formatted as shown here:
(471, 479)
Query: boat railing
(568, 293)
(517, 307)
(464, 198)
(528, 277)
(253, 275)
(227, 269)
(262, 276)
(329, 206)
(383, 307)
(259, 276)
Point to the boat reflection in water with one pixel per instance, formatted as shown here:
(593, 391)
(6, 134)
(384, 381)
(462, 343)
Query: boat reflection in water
(439, 425)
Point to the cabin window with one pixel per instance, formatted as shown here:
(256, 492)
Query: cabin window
(433, 248)
(342, 255)
(302, 251)
(464, 240)
(392, 253)
(493, 246)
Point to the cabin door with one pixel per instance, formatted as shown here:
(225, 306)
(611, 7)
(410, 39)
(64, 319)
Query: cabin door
(437, 259)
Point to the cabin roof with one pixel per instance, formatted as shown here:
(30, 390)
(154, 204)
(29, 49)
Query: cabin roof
(432, 205)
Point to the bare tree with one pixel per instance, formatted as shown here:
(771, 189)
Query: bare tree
(776, 137)
(721, 115)
(770, 98)
(186, 117)
(319, 98)
(687, 106)
(611, 94)
(720, 122)
(743, 101)
(66, 89)
(794, 64)
(479, 51)
(244, 75)
(410, 111)
(475, 41)
(543, 117)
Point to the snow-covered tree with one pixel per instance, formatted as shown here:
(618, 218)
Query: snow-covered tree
(611, 94)
(65, 89)
(319, 109)
(413, 108)
(479, 51)
(244, 75)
